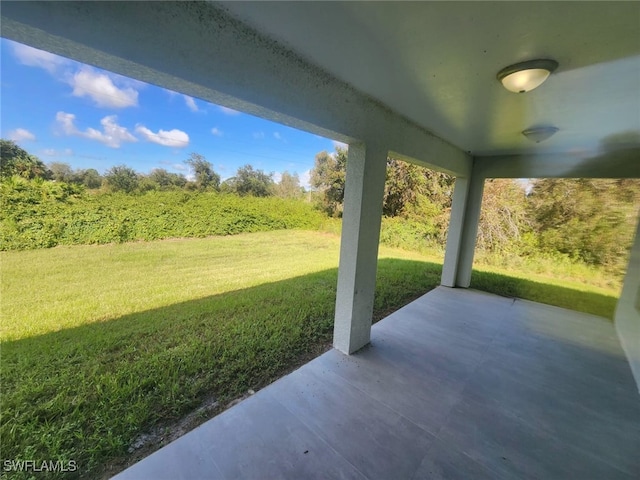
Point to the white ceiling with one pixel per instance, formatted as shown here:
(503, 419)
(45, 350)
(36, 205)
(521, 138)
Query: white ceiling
(436, 63)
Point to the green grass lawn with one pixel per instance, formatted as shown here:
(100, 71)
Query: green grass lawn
(103, 343)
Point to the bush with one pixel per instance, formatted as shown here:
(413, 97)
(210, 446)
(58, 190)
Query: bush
(37, 214)
(409, 234)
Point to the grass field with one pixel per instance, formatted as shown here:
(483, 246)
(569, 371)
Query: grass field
(103, 343)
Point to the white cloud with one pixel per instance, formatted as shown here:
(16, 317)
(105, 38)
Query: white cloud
(305, 178)
(172, 165)
(101, 89)
(277, 176)
(105, 89)
(33, 57)
(52, 152)
(190, 103)
(258, 135)
(215, 131)
(277, 135)
(337, 144)
(112, 134)
(229, 111)
(166, 138)
(65, 122)
(21, 135)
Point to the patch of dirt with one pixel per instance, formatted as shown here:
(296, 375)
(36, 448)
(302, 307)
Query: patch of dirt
(168, 434)
(147, 443)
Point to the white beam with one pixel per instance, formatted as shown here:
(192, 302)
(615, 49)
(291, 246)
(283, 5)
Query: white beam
(364, 191)
(623, 162)
(417, 153)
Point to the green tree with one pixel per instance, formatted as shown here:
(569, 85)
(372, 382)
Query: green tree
(289, 186)
(591, 220)
(166, 180)
(417, 203)
(205, 177)
(253, 182)
(61, 172)
(122, 178)
(229, 185)
(405, 184)
(328, 176)
(410, 190)
(504, 221)
(14, 160)
(89, 177)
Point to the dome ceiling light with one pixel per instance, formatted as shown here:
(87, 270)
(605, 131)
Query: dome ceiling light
(525, 76)
(539, 134)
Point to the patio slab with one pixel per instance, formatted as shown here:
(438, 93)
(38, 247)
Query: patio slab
(458, 384)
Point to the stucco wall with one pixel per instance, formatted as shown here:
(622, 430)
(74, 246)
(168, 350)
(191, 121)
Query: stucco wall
(627, 316)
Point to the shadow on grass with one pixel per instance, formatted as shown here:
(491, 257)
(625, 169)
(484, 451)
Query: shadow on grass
(588, 302)
(86, 393)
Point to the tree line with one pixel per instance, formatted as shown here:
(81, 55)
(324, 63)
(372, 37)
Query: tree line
(122, 178)
(588, 220)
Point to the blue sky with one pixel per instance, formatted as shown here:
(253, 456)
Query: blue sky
(64, 111)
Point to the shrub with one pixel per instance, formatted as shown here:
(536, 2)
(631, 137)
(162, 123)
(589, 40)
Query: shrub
(37, 214)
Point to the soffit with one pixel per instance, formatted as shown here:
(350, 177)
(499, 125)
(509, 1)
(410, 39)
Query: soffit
(435, 63)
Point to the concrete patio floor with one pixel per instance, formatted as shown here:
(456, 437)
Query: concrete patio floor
(459, 384)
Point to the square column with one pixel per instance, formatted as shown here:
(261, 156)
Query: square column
(363, 198)
(627, 316)
(454, 232)
(463, 229)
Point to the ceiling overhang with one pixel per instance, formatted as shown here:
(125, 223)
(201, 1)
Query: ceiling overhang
(419, 77)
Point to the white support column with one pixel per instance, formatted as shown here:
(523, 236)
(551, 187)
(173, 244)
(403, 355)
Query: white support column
(463, 228)
(470, 229)
(627, 317)
(454, 233)
(364, 191)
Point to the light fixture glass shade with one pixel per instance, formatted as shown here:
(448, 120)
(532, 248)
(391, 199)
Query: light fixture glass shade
(525, 80)
(524, 77)
(539, 134)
